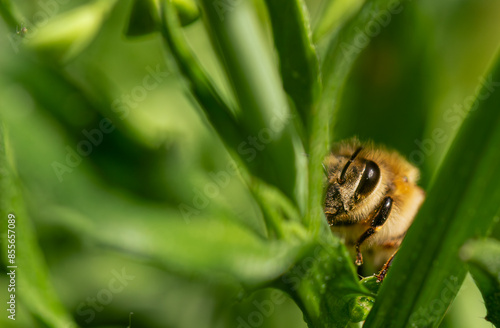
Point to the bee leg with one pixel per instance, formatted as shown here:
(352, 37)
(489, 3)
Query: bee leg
(364, 236)
(385, 268)
(375, 225)
(390, 244)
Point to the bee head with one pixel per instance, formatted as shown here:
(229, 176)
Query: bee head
(350, 180)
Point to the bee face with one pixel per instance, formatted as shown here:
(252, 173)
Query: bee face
(350, 182)
(371, 198)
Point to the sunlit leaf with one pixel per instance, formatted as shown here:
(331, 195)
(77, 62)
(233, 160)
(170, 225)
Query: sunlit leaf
(68, 34)
(334, 14)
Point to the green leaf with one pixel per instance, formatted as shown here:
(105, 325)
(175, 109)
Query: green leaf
(371, 283)
(33, 287)
(208, 248)
(218, 113)
(142, 16)
(483, 260)
(316, 274)
(461, 204)
(68, 34)
(324, 285)
(8, 14)
(187, 10)
(299, 66)
(281, 217)
(272, 148)
(334, 14)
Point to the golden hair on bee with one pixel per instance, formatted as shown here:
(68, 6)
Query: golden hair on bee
(371, 199)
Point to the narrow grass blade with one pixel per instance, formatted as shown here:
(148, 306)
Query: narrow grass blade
(299, 64)
(333, 15)
(32, 286)
(214, 107)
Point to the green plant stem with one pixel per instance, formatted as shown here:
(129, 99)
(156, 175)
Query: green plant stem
(299, 65)
(216, 110)
(264, 110)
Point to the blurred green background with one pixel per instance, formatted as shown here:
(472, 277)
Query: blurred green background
(427, 60)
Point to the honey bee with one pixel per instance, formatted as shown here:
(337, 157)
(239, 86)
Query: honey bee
(371, 199)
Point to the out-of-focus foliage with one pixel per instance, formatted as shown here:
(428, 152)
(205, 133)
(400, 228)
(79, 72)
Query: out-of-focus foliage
(484, 265)
(164, 158)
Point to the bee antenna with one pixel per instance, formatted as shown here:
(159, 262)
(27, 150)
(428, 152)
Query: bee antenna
(341, 179)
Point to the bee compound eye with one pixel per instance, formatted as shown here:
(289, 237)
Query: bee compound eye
(369, 180)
